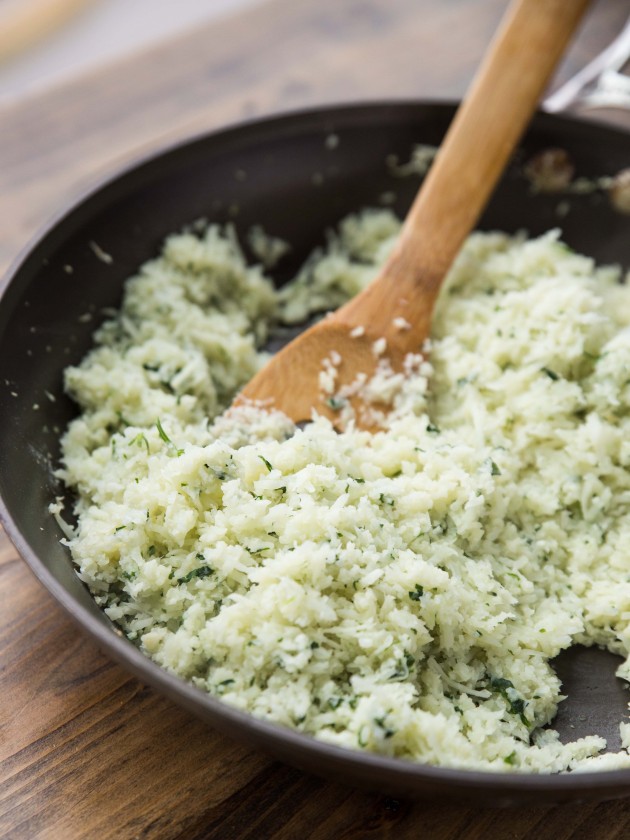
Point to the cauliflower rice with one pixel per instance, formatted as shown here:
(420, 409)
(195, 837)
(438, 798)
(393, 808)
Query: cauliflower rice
(402, 592)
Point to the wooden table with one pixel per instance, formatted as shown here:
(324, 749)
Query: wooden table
(86, 751)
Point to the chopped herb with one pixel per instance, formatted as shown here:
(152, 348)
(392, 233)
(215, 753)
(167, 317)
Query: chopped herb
(516, 704)
(151, 551)
(335, 702)
(358, 480)
(166, 438)
(417, 593)
(510, 759)
(402, 670)
(494, 470)
(201, 572)
(431, 427)
(387, 732)
(550, 373)
(336, 403)
(120, 527)
(162, 433)
(139, 440)
(466, 380)
(314, 645)
(386, 500)
(265, 462)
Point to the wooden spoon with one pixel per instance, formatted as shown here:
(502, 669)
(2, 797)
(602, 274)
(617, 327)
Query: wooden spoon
(398, 304)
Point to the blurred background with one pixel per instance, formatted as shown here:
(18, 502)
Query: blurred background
(43, 42)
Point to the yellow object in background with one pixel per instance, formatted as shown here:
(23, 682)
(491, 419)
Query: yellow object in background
(23, 22)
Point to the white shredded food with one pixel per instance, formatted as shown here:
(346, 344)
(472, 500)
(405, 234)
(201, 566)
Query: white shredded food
(401, 592)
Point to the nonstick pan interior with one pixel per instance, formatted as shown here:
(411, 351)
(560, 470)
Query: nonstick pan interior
(290, 176)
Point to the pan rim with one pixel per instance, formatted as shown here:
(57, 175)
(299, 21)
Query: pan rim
(396, 772)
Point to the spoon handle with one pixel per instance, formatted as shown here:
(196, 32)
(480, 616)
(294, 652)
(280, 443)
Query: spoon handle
(482, 136)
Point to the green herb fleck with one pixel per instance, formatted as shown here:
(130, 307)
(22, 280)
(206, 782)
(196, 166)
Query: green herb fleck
(417, 593)
(266, 462)
(336, 403)
(201, 572)
(166, 438)
(516, 705)
(551, 374)
(387, 732)
(139, 440)
(162, 433)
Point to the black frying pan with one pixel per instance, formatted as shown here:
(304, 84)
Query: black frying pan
(282, 173)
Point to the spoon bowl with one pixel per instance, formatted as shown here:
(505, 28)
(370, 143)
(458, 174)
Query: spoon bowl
(478, 144)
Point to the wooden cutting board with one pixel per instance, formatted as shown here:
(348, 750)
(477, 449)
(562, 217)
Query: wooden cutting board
(85, 750)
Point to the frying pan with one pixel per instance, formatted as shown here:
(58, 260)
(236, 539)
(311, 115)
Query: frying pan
(285, 173)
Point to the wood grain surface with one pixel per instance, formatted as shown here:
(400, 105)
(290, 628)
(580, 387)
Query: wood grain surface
(85, 750)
